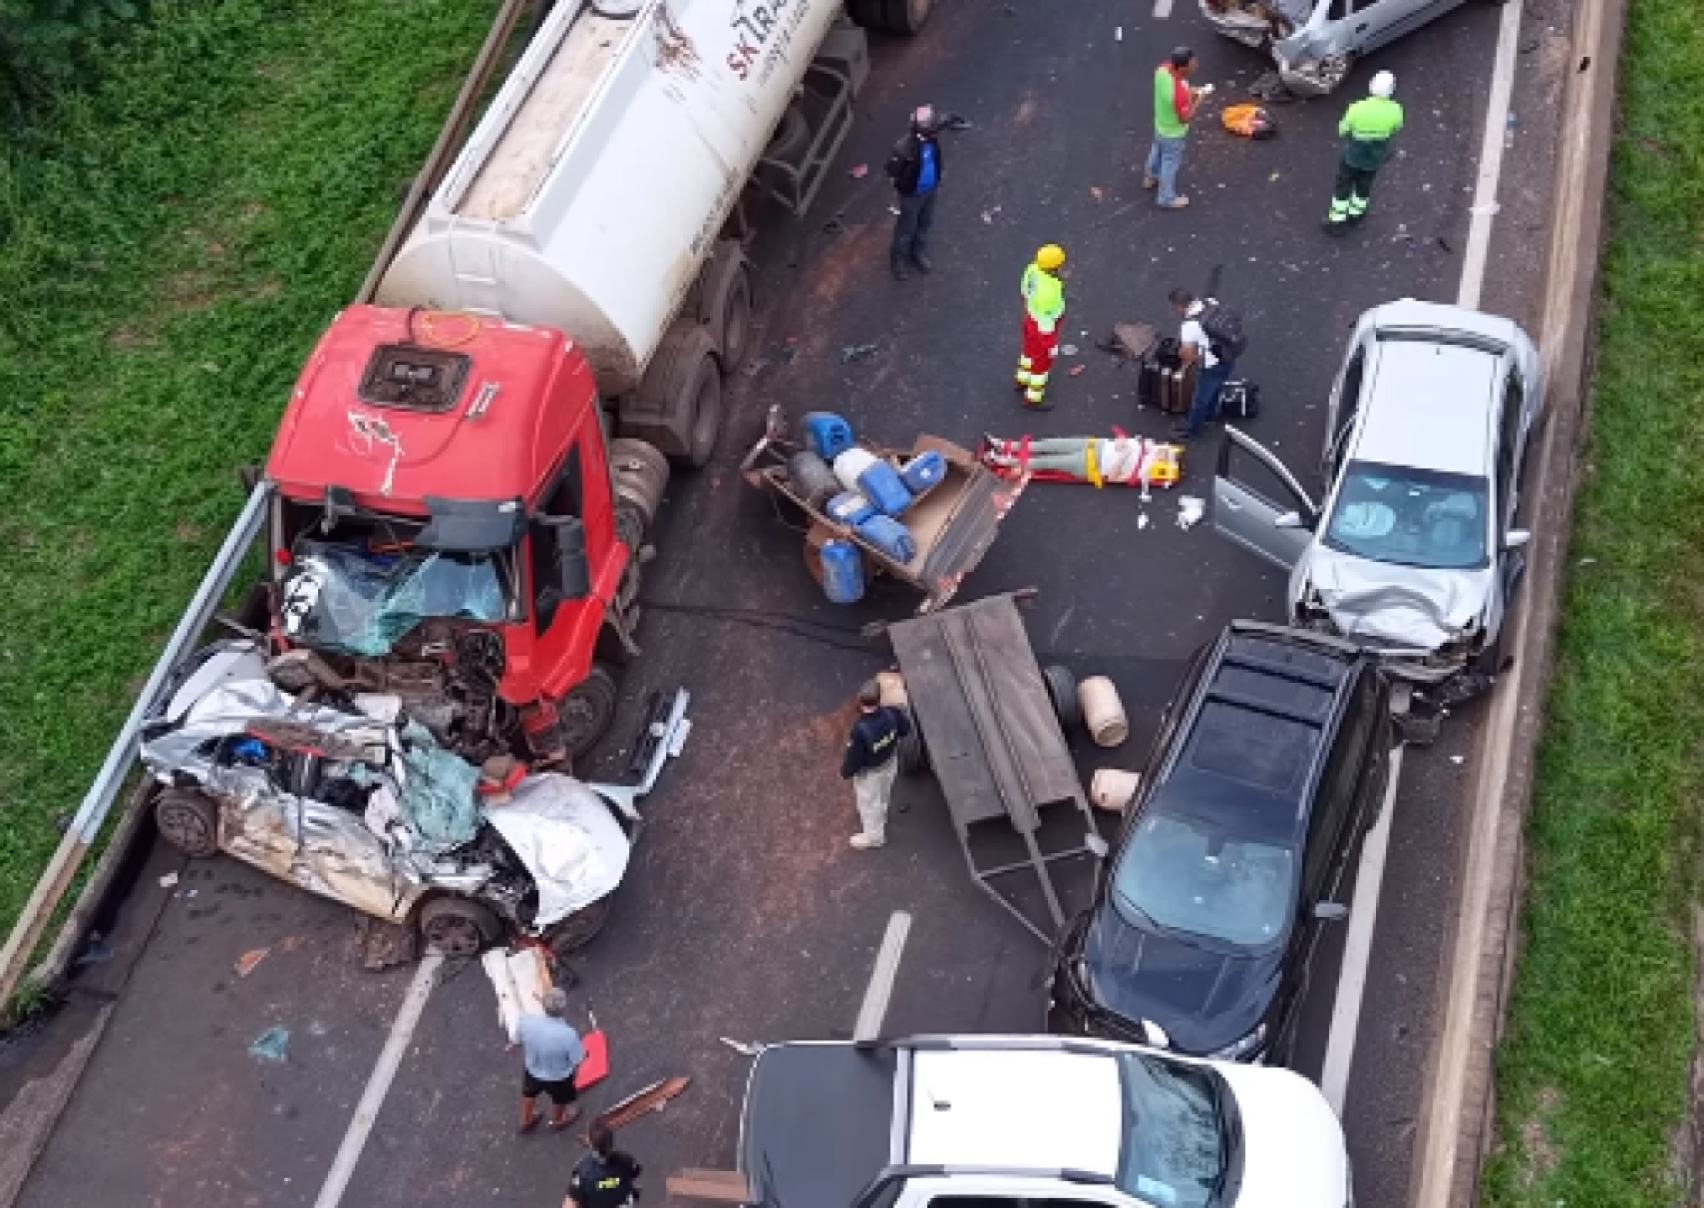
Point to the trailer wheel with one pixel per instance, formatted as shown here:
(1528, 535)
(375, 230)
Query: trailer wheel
(678, 407)
(866, 13)
(458, 927)
(189, 822)
(587, 711)
(1062, 688)
(726, 308)
(792, 137)
(905, 17)
(913, 751)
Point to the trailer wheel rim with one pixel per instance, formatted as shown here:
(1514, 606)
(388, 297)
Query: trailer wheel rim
(185, 827)
(454, 934)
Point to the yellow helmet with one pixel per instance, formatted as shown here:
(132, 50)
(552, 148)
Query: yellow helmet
(1050, 257)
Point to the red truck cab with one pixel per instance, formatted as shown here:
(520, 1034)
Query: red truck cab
(447, 528)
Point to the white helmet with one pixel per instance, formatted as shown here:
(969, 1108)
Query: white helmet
(1383, 84)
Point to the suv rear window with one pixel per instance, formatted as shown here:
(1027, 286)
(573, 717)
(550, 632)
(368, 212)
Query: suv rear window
(1271, 753)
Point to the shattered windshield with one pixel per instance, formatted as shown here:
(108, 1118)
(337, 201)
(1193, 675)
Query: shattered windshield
(354, 601)
(1409, 517)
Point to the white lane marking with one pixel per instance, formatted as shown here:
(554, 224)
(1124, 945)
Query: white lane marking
(880, 990)
(1162, 9)
(1490, 157)
(378, 1085)
(1358, 947)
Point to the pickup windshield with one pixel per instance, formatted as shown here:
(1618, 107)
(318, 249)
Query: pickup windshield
(1409, 517)
(1177, 1145)
(354, 601)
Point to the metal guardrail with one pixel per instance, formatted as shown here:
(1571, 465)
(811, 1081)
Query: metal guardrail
(91, 816)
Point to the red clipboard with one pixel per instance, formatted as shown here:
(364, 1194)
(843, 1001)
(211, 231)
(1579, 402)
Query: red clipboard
(595, 1068)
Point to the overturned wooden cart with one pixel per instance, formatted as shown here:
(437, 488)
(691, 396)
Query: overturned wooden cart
(991, 733)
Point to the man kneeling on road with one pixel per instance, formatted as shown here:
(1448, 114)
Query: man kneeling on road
(552, 1054)
(872, 762)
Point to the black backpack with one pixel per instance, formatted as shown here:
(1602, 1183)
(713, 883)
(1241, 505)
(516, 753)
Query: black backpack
(1224, 330)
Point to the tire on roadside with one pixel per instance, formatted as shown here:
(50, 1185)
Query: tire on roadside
(458, 926)
(1062, 691)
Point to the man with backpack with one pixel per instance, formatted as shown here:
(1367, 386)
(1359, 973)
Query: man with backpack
(1212, 339)
(915, 167)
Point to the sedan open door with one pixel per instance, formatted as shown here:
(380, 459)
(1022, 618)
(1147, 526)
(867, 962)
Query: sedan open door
(1245, 513)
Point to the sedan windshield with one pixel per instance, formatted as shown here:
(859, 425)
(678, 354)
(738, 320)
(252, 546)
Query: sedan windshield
(1176, 1146)
(1186, 876)
(1410, 517)
(356, 602)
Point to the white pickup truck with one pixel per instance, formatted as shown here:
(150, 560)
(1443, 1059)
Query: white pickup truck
(998, 1121)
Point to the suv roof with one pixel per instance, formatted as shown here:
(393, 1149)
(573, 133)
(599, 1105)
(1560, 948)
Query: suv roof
(962, 1110)
(1260, 720)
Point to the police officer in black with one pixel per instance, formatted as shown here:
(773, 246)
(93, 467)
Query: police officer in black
(872, 762)
(605, 1178)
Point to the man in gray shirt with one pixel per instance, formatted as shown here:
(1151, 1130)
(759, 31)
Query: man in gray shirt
(551, 1054)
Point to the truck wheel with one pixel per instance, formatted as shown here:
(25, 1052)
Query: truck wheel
(726, 307)
(1062, 690)
(701, 399)
(458, 927)
(641, 477)
(189, 821)
(587, 711)
(905, 17)
(913, 751)
(867, 13)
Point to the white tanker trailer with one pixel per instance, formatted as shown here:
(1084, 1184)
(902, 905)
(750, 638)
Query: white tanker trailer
(600, 194)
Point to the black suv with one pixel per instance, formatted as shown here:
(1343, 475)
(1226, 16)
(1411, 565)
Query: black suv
(1269, 764)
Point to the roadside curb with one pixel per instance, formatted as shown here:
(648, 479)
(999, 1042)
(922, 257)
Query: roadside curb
(1457, 1124)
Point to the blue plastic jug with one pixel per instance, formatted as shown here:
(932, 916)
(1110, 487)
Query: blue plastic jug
(883, 487)
(889, 536)
(849, 507)
(827, 435)
(924, 472)
(842, 572)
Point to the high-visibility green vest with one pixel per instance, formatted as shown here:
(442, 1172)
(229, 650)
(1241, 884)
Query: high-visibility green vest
(1044, 295)
(1367, 127)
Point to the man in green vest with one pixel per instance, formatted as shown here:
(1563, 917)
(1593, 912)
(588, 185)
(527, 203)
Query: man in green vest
(1175, 103)
(1044, 308)
(1367, 129)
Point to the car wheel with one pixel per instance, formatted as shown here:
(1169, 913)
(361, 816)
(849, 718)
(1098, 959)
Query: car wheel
(588, 710)
(1062, 689)
(582, 927)
(189, 821)
(458, 927)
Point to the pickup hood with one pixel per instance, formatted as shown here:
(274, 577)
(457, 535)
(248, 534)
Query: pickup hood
(1293, 1149)
(818, 1123)
(1405, 605)
(1204, 999)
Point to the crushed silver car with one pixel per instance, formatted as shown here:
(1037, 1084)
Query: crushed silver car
(1315, 42)
(1414, 546)
(348, 796)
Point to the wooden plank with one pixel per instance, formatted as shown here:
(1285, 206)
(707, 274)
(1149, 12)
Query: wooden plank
(718, 1190)
(938, 699)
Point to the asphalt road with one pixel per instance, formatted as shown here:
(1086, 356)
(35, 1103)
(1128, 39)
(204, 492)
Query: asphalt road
(745, 914)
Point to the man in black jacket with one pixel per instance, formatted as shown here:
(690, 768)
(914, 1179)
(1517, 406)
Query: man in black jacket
(872, 762)
(916, 168)
(606, 1177)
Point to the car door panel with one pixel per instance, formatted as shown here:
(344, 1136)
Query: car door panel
(1246, 517)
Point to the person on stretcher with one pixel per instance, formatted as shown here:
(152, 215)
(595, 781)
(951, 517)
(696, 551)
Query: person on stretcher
(1130, 460)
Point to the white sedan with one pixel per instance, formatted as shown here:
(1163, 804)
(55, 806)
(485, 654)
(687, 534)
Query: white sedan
(1414, 546)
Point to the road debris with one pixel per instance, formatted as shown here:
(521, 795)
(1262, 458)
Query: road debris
(1190, 509)
(642, 1103)
(1078, 371)
(272, 1045)
(856, 352)
(1142, 521)
(1068, 350)
(169, 880)
(247, 961)
(1095, 192)
(745, 1048)
(861, 171)
(96, 952)
(987, 215)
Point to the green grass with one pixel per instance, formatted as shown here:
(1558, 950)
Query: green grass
(172, 241)
(1593, 1076)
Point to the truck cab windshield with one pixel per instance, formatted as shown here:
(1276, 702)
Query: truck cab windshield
(360, 599)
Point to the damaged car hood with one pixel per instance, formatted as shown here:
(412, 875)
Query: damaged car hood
(1406, 605)
(567, 838)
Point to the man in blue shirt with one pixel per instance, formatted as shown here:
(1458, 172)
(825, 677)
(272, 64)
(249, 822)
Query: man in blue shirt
(915, 167)
(552, 1054)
